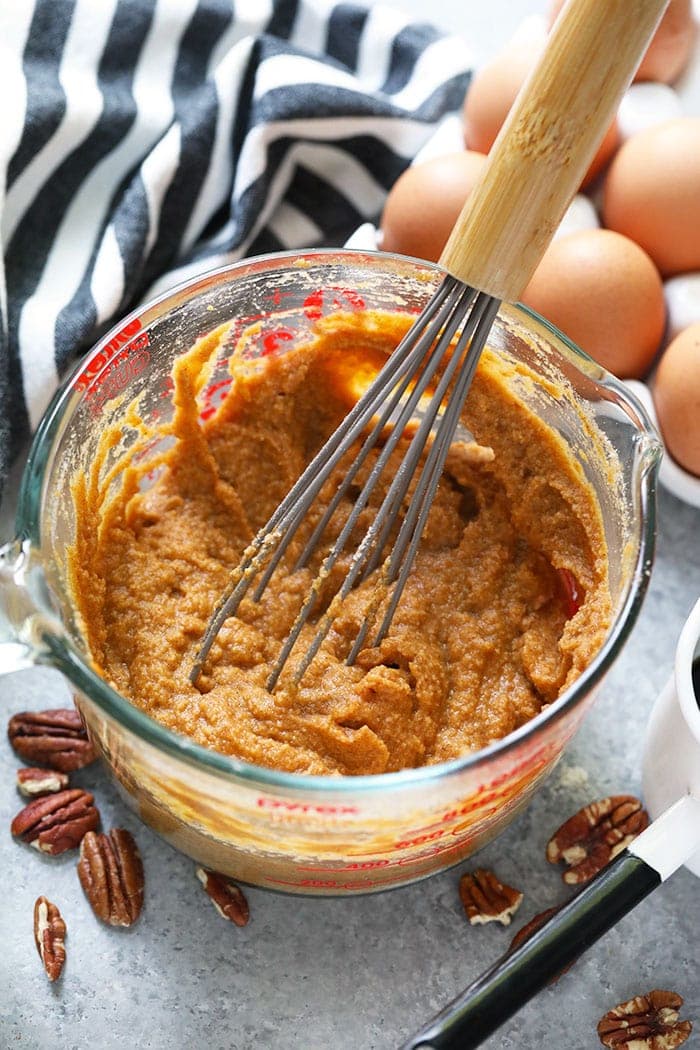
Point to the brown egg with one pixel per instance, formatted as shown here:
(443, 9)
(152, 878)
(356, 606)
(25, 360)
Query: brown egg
(424, 202)
(652, 193)
(605, 293)
(491, 94)
(676, 393)
(671, 44)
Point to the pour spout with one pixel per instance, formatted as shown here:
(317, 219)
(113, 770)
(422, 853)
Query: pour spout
(18, 612)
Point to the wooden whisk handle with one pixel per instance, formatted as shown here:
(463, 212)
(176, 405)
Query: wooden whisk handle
(547, 142)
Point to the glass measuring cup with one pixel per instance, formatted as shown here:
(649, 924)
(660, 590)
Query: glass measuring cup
(310, 834)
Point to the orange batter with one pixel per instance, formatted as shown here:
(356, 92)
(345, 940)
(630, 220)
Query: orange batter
(487, 630)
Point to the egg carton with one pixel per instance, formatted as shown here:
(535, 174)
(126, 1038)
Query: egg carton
(643, 106)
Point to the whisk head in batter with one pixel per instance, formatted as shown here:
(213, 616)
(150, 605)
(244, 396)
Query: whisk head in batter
(533, 170)
(417, 397)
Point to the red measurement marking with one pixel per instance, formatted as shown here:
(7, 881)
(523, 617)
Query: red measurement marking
(329, 299)
(418, 840)
(362, 865)
(277, 296)
(571, 593)
(96, 363)
(272, 341)
(318, 809)
(238, 330)
(215, 387)
(222, 385)
(246, 322)
(328, 884)
(146, 450)
(119, 373)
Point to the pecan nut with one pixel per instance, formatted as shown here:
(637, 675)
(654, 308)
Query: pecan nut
(486, 899)
(56, 823)
(49, 937)
(34, 782)
(526, 931)
(595, 835)
(646, 1022)
(55, 738)
(111, 874)
(228, 898)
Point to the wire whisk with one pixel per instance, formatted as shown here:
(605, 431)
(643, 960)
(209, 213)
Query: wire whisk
(533, 170)
(422, 361)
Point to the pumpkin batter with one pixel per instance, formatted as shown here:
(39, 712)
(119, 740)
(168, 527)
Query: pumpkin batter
(505, 606)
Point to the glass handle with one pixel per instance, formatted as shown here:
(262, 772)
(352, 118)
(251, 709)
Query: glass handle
(18, 613)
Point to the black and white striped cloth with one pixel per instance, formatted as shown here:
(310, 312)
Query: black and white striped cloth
(145, 140)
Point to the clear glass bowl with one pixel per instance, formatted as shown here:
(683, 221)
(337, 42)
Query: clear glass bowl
(311, 834)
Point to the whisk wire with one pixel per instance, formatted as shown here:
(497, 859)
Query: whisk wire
(466, 356)
(421, 381)
(407, 374)
(464, 361)
(370, 549)
(431, 364)
(280, 529)
(298, 512)
(410, 463)
(414, 523)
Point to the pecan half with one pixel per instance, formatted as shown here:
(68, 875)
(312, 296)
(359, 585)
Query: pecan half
(529, 928)
(486, 899)
(49, 936)
(56, 823)
(34, 782)
(228, 898)
(591, 838)
(55, 738)
(647, 1022)
(526, 931)
(111, 874)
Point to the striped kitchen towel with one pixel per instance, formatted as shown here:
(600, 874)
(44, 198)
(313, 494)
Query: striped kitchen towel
(143, 141)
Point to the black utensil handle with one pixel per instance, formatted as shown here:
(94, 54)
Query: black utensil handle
(499, 992)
